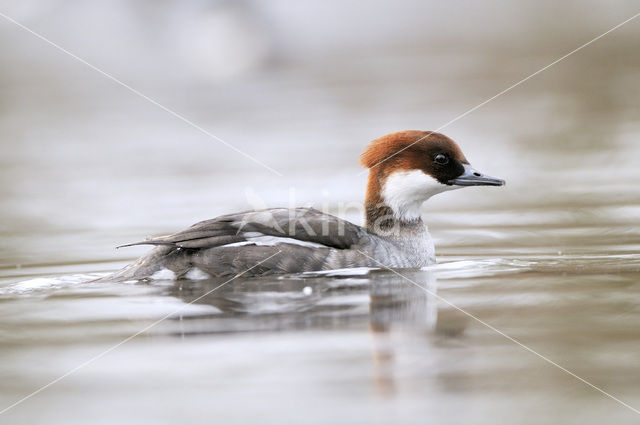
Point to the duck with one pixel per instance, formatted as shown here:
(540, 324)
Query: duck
(405, 169)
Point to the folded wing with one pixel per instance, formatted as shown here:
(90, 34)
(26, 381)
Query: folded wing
(304, 226)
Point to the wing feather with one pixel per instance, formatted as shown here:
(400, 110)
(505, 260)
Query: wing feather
(303, 224)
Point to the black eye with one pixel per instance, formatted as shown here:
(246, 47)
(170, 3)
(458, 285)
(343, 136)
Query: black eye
(441, 159)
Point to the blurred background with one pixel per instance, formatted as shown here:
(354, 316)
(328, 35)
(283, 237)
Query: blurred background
(302, 88)
(552, 258)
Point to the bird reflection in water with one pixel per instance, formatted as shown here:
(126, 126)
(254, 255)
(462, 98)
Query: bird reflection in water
(404, 317)
(400, 311)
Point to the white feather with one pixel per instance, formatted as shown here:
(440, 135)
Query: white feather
(197, 274)
(257, 238)
(405, 191)
(273, 240)
(164, 274)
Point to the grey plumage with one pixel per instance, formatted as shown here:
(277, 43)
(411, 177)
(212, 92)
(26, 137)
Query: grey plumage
(234, 243)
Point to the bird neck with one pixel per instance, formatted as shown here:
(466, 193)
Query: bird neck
(385, 214)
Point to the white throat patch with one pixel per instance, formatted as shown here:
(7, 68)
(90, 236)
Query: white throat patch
(405, 191)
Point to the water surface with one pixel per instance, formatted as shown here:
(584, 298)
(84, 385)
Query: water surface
(552, 260)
